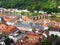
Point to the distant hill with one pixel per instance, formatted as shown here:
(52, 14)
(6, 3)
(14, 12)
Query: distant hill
(31, 4)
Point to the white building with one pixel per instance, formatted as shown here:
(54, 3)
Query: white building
(42, 12)
(35, 11)
(15, 37)
(11, 10)
(25, 10)
(10, 23)
(58, 6)
(2, 9)
(55, 33)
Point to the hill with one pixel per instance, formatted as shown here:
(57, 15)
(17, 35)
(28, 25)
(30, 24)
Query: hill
(31, 4)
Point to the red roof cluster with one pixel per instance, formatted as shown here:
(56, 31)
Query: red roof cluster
(7, 29)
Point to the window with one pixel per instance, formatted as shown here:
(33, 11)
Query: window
(37, 18)
(33, 18)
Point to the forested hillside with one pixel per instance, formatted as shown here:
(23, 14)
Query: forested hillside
(31, 4)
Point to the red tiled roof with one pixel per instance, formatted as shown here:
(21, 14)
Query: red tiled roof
(7, 29)
(18, 43)
(9, 19)
(28, 44)
(27, 19)
(3, 26)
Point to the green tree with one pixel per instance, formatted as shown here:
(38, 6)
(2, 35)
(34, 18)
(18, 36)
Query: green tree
(57, 43)
(52, 36)
(46, 5)
(56, 36)
(46, 42)
(37, 43)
